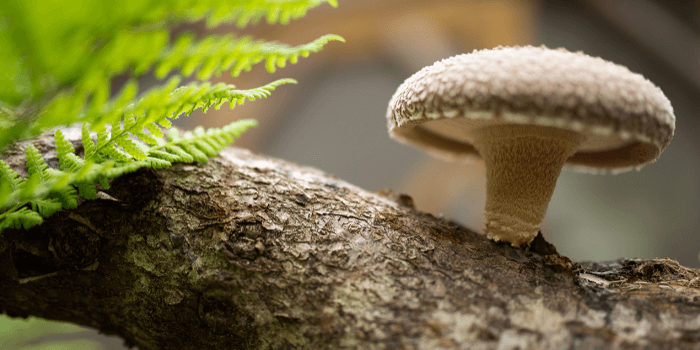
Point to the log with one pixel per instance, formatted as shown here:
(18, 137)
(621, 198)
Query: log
(251, 252)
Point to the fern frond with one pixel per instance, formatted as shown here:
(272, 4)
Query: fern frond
(177, 151)
(148, 138)
(81, 44)
(22, 218)
(88, 143)
(125, 98)
(46, 207)
(15, 192)
(87, 189)
(155, 130)
(36, 164)
(251, 12)
(278, 54)
(130, 147)
(123, 168)
(201, 143)
(10, 186)
(8, 117)
(193, 96)
(195, 152)
(66, 195)
(163, 155)
(157, 163)
(60, 61)
(5, 192)
(9, 177)
(63, 148)
(150, 111)
(214, 55)
(26, 192)
(66, 74)
(115, 153)
(209, 56)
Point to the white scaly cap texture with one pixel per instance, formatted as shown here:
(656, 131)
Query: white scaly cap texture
(627, 120)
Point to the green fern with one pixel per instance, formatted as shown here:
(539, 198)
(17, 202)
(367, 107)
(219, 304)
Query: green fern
(215, 55)
(59, 60)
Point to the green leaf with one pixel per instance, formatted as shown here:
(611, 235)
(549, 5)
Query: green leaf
(36, 164)
(223, 53)
(156, 163)
(67, 196)
(163, 155)
(193, 151)
(104, 182)
(181, 153)
(63, 148)
(46, 207)
(146, 137)
(87, 189)
(155, 130)
(115, 153)
(131, 148)
(88, 143)
(61, 63)
(27, 191)
(22, 218)
(71, 163)
(10, 177)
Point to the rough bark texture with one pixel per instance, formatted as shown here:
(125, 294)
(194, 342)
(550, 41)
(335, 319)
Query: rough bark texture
(248, 252)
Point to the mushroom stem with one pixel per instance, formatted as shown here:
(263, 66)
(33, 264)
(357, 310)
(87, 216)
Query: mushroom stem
(523, 163)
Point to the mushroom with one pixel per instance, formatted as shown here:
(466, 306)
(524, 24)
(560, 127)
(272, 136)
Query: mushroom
(527, 112)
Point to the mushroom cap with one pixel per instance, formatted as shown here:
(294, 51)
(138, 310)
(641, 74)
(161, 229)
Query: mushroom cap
(627, 121)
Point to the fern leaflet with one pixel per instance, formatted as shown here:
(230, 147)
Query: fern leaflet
(78, 90)
(60, 66)
(214, 55)
(21, 218)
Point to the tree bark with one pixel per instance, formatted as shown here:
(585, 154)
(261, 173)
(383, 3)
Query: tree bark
(250, 252)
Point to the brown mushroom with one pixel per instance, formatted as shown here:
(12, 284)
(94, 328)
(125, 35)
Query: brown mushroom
(528, 111)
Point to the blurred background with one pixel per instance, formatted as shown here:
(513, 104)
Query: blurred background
(334, 119)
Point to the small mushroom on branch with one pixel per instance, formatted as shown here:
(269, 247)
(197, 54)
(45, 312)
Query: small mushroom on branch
(527, 112)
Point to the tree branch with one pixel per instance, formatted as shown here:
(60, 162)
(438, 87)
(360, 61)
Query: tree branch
(250, 252)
